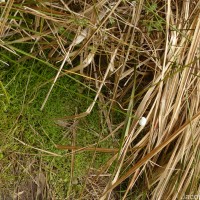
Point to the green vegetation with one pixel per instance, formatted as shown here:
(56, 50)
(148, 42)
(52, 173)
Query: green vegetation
(26, 130)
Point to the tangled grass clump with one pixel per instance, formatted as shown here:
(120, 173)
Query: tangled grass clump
(127, 59)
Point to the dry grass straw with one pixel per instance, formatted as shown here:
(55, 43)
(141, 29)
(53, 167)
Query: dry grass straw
(146, 71)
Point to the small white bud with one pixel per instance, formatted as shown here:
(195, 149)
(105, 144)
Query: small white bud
(143, 121)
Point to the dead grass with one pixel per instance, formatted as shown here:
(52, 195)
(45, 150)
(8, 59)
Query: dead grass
(142, 59)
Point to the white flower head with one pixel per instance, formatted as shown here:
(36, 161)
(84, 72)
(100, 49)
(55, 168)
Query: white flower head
(142, 121)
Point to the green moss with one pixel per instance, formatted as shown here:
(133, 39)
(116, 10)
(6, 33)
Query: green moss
(22, 122)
